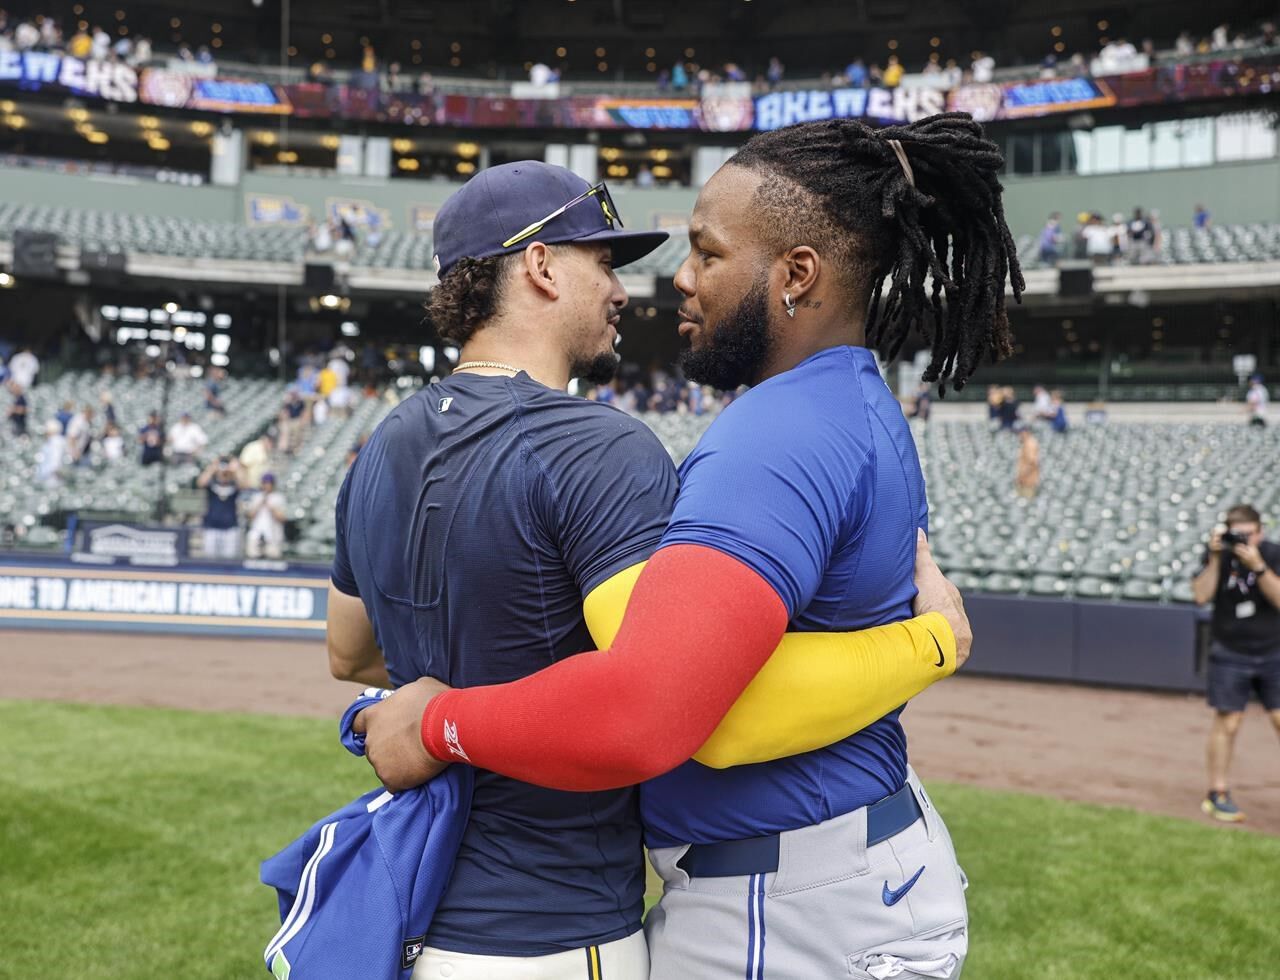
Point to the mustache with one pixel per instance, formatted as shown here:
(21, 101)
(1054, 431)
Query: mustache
(684, 314)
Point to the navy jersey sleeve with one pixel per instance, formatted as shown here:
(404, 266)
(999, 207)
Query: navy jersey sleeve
(610, 488)
(770, 494)
(341, 574)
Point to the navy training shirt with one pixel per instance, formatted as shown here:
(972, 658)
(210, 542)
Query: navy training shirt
(473, 523)
(812, 480)
(220, 508)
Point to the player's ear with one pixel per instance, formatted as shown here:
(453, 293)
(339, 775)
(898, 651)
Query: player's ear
(802, 266)
(541, 269)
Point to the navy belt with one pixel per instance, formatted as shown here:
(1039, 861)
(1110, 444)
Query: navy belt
(759, 855)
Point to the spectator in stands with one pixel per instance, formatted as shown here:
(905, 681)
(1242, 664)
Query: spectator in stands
(213, 393)
(1184, 46)
(983, 67)
(1099, 241)
(1201, 218)
(112, 443)
(856, 73)
(255, 457)
(1058, 420)
(186, 439)
(265, 538)
(1240, 575)
(644, 176)
(1221, 38)
(321, 236)
(291, 420)
(51, 455)
(81, 45)
(65, 414)
(1141, 239)
(1157, 234)
(151, 438)
(1119, 237)
(23, 368)
(79, 434)
(679, 77)
(26, 36)
(108, 407)
(222, 481)
(775, 71)
(922, 403)
(1268, 38)
(18, 409)
(1257, 401)
(1042, 404)
(1026, 481)
(995, 396)
(1009, 407)
(101, 47)
(1051, 239)
(893, 72)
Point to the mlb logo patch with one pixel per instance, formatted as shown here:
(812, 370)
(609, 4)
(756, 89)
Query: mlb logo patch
(411, 951)
(444, 405)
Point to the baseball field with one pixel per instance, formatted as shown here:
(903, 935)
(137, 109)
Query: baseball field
(130, 832)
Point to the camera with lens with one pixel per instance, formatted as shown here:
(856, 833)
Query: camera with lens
(1230, 539)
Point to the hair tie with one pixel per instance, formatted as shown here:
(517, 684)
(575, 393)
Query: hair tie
(902, 159)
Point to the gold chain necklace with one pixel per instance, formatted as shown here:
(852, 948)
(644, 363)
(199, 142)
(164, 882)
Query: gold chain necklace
(496, 365)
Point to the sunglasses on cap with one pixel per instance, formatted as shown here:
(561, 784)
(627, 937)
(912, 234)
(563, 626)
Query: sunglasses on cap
(599, 192)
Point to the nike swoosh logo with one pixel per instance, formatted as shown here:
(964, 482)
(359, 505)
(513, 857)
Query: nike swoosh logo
(893, 897)
(942, 660)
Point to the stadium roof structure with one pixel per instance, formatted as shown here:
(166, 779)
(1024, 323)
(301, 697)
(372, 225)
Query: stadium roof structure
(501, 36)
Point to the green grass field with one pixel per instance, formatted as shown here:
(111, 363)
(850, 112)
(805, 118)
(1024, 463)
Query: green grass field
(130, 842)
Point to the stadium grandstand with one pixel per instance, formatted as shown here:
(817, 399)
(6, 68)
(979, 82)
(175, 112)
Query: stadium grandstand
(217, 255)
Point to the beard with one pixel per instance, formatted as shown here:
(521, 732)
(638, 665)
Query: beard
(738, 348)
(596, 369)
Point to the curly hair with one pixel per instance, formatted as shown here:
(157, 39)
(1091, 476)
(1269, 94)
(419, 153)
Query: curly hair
(468, 295)
(839, 185)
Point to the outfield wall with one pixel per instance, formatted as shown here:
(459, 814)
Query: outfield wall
(1117, 644)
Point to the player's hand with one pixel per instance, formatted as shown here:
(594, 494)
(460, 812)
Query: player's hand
(1250, 557)
(392, 732)
(1215, 542)
(935, 593)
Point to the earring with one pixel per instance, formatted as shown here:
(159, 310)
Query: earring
(790, 303)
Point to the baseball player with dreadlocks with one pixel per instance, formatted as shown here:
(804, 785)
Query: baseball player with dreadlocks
(799, 510)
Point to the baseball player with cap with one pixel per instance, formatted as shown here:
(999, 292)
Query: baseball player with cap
(800, 508)
(519, 516)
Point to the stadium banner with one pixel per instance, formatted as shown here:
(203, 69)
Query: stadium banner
(725, 107)
(227, 601)
(1151, 86)
(181, 90)
(139, 543)
(274, 209)
(35, 70)
(778, 109)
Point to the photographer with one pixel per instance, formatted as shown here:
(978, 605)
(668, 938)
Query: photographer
(1240, 575)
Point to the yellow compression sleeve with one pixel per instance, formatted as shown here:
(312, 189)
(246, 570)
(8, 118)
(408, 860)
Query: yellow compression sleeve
(816, 689)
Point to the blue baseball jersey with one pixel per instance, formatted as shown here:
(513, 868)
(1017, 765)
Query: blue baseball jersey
(811, 479)
(472, 525)
(345, 909)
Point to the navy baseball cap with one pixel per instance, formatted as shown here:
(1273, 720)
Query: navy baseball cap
(502, 209)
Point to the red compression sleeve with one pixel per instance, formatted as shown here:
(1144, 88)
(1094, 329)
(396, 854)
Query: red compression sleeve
(698, 627)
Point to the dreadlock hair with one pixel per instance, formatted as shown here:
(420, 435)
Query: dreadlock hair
(839, 186)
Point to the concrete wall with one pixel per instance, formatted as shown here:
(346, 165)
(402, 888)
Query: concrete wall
(1234, 192)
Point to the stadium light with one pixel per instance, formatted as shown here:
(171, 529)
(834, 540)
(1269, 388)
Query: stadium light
(468, 150)
(7, 281)
(97, 138)
(330, 142)
(222, 321)
(465, 167)
(7, 107)
(15, 122)
(350, 328)
(201, 128)
(78, 115)
(171, 307)
(148, 122)
(220, 343)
